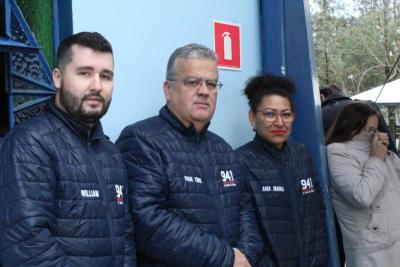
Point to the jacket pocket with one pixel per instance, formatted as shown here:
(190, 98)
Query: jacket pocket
(376, 236)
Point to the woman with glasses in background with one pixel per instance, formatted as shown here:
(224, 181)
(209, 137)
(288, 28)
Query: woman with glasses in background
(365, 188)
(281, 179)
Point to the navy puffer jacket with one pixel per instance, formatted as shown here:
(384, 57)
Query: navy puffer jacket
(290, 209)
(188, 196)
(63, 196)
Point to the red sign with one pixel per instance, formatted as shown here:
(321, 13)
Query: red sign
(227, 44)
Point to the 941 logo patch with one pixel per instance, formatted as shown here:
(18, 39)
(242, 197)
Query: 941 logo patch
(227, 178)
(120, 194)
(307, 186)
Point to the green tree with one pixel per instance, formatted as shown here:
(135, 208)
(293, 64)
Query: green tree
(356, 50)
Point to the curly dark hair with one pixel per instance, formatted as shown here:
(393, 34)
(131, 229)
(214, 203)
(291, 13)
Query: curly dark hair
(266, 84)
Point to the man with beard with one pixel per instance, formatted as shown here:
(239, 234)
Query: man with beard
(63, 184)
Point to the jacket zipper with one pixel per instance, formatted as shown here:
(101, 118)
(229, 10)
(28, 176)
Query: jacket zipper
(213, 189)
(103, 191)
(296, 214)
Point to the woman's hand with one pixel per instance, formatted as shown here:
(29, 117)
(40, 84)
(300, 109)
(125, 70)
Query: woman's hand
(379, 145)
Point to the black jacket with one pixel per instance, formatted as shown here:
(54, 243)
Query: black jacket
(189, 203)
(63, 196)
(331, 107)
(290, 209)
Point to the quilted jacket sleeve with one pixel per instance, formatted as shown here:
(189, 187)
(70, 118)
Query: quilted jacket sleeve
(359, 185)
(250, 242)
(161, 234)
(130, 252)
(27, 201)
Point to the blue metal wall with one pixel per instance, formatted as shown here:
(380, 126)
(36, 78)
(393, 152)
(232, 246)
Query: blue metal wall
(287, 48)
(62, 21)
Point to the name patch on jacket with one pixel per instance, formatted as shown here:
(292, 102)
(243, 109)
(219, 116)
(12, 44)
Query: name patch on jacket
(119, 189)
(272, 188)
(307, 186)
(227, 178)
(89, 193)
(192, 179)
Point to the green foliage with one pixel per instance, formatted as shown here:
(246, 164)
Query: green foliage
(38, 14)
(356, 51)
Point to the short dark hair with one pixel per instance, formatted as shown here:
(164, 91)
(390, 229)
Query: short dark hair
(93, 40)
(328, 90)
(350, 121)
(266, 84)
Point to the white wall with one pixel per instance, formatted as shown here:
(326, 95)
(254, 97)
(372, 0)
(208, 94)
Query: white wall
(145, 32)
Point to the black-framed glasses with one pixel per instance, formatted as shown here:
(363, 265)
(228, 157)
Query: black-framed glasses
(195, 83)
(272, 115)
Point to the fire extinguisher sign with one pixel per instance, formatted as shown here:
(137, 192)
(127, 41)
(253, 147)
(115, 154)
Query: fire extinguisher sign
(227, 44)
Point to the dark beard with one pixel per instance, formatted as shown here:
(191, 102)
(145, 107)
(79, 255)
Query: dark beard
(74, 106)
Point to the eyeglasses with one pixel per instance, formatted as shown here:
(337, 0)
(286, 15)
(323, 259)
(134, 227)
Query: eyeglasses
(370, 130)
(196, 83)
(271, 115)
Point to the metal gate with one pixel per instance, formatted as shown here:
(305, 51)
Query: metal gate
(25, 76)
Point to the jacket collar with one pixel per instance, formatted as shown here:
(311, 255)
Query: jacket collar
(85, 133)
(263, 145)
(167, 115)
(361, 141)
(332, 100)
